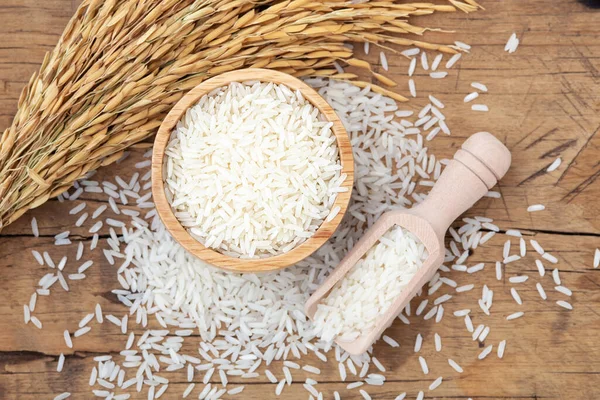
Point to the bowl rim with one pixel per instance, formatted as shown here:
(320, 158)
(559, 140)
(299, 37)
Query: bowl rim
(213, 257)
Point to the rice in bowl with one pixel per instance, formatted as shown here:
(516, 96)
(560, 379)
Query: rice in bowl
(252, 170)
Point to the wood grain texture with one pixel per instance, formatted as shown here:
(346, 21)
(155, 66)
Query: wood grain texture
(544, 102)
(211, 256)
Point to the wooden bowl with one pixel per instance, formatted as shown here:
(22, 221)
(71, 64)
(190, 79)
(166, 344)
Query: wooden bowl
(211, 256)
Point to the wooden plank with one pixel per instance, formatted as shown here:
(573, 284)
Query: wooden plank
(573, 333)
(544, 102)
(29, 30)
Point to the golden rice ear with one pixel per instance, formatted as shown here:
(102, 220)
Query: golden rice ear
(120, 65)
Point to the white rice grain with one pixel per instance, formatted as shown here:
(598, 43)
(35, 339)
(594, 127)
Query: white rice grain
(390, 341)
(470, 97)
(235, 390)
(455, 366)
(462, 45)
(82, 331)
(541, 291)
(501, 348)
(61, 362)
(411, 52)
(512, 258)
(33, 301)
(36, 322)
(288, 375)
(537, 247)
(418, 343)
(81, 219)
(479, 86)
(485, 352)
(469, 323)
(536, 207)
(342, 370)
(430, 314)
(188, 390)
(556, 276)
(85, 320)
(436, 102)
(564, 304)
(311, 369)
(522, 247)
(378, 364)
(279, 387)
(383, 59)
(540, 267)
(554, 166)
(438, 342)
(99, 211)
(550, 257)
(438, 75)
(478, 331)
(270, 376)
(77, 209)
(68, 340)
(516, 296)
(424, 61)
(498, 270)
(453, 60)
(436, 61)
(34, 227)
(26, 314)
(512, 44)
(515, 315)
(412, 66)
(518, 279)
(435, 384)
(564, 290)
(412, 88)
(423, 364)
(98, 313)
(465, 288)
(506, 249)
(38, 257)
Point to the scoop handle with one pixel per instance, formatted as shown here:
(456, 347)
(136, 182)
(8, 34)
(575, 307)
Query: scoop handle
(477, 166)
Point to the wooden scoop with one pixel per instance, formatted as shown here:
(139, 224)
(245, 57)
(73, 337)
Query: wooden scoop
(475, 169)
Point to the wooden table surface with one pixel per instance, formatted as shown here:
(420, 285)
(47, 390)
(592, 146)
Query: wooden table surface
(544, 102)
